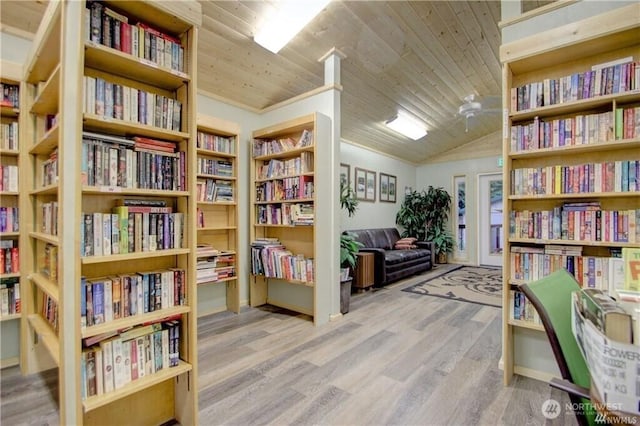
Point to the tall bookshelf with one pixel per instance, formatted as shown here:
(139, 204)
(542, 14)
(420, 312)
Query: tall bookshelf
(571, 162)
(217, 213)
(286, 181)
(10, 197)
(73, 126)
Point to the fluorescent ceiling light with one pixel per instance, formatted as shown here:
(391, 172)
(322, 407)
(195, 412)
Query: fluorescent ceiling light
(407, 126)
(286, 21)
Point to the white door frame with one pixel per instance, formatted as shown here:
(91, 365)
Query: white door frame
(479, 215)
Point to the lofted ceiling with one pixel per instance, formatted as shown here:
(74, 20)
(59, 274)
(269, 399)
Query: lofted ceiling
(422, 57)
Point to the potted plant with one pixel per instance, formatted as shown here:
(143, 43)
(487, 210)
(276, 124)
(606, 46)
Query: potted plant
(412, 215)
(348, 248)
(437, 209)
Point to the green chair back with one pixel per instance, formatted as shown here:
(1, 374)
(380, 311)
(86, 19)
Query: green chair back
(551, 297)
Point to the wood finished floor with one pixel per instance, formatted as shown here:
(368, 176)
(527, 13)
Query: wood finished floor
(395, 359)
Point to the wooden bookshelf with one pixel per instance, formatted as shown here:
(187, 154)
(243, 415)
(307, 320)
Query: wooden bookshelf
(533, 141)
(10, 203)
(281, 180)
(59, 267)
(217, 159)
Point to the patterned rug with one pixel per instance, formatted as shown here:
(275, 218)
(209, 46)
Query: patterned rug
(474, 284)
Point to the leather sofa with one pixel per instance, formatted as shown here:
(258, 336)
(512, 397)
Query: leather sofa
(390, 264)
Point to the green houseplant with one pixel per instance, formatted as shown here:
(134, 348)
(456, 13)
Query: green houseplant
(438, 207)
(424, 215)
(348, 248)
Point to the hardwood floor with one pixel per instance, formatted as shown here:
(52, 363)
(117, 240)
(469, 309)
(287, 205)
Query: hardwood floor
(395, 359)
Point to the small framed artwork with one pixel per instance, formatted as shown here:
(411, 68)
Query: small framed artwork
(384, 187)
(371, 186)
(393, 189)
(345, 172)
(360, 184)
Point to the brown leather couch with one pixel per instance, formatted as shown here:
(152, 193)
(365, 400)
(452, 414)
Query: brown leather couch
(390, 264)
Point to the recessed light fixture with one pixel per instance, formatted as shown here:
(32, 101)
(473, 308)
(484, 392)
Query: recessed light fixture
(407, 126)
(288, 18)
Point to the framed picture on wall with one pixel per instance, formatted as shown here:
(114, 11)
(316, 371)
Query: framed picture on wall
(371, 186)
(393, 189)
(360, 184)
(387, 188)
(384, 187)
(345, 172)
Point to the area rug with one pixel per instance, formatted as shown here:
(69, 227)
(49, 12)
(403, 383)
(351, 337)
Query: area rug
(473, 284)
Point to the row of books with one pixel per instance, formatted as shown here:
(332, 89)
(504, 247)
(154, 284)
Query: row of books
(578, 130)
(225, 144)
(105, 26)
(8, 178)
(290, 188)
(142, 163)
(211, 190)
(112, 100)
(532, 263)
(129, 356)
(214, 268)
(10, 95)
(9, 136)
(581, 225)
(9, 219)
(273, 260)
(120, 296)
(49, 218)
(599, 81)
(130, 230)
(276, 146)
(9, 259)
(285, 214)
(521, 309)
(49, 311)
(210, 166)
(50, 169)
(49, 266)
(627, 123)
(276, 168)
(10, 303)
(610, 176)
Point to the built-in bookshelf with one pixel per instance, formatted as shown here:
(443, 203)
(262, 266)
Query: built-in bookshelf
(111, 297)
(284, 245)
(217, 196)
(10, 219)
(572, 169)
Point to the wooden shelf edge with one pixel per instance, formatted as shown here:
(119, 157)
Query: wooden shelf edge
(218, 177)
(132, 256)
(9, 234)
(130, 388)
(288, 153)
(131, 128)
(217, 281)
(578, 195)
(575, 149)
(268, 179)
(122, 323)
(47, 238)
(212, 153)
(9, 275)
(9, 152)
(10, 317)
(217, 228)
(46, 285)
(47, 142)
(526, 324)
(104, 190)
(45, 190)
(48, 336)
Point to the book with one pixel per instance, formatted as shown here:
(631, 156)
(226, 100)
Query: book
(631, 260)
(607, 315)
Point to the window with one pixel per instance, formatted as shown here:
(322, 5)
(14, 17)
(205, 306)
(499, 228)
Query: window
(460, 201)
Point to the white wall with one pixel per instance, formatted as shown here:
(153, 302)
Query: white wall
(375, 214)
(441, 175)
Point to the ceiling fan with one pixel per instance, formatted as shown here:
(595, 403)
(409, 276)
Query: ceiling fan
(471, 107)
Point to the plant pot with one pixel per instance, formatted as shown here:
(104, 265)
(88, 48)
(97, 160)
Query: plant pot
(344, 274)
(442, 258)
(345, 295)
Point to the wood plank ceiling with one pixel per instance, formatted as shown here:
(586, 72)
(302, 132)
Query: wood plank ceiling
(422, 57)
